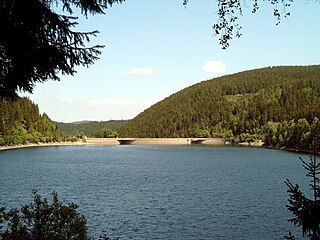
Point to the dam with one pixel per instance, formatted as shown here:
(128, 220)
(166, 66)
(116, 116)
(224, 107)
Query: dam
(154, 141)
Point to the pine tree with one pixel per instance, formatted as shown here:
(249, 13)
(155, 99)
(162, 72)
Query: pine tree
(38, 44)
(306, 210)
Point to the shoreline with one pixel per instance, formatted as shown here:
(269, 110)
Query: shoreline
(123, 141)
(31, 145)
(294, 150)
(150, 141)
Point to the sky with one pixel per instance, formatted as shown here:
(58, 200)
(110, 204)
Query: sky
(156, 48)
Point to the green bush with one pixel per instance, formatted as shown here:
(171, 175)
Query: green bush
(201, 133)
(41, 220)
(105, 133)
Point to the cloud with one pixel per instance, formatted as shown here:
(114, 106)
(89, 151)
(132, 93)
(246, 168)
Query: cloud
(214, 67)
(67, 100)
(109, 102)
(139, 71)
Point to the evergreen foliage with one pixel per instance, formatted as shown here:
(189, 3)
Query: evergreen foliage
(253, 102)
(37, 43)
(306, 211)
(21, 123)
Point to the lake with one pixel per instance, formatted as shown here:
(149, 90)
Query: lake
(161, 192)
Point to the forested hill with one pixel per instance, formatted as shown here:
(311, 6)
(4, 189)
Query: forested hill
(233, 105)
(21, 123)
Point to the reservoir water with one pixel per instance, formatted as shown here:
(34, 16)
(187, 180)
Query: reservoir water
(161, 192)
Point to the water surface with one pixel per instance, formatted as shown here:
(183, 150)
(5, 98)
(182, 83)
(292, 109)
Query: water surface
(160, 192)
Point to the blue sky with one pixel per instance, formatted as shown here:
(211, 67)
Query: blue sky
(156, 48)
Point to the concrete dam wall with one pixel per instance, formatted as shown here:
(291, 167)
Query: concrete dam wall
(154, 141)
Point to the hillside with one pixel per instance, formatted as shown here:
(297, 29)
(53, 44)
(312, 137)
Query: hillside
(236, 104)
(21, 123)
(89, 127)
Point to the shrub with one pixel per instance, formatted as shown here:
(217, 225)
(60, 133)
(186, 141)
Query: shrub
(43, 221)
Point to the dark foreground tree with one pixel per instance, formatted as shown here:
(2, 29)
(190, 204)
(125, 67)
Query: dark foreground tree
(306, 211)
(43, 221)
(37, 43)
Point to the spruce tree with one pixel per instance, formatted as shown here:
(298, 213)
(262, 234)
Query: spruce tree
(37, 43)
(306, 211)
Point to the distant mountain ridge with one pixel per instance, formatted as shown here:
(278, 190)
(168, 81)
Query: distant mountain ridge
(81, 122)
(89, 127)
(241, 103)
